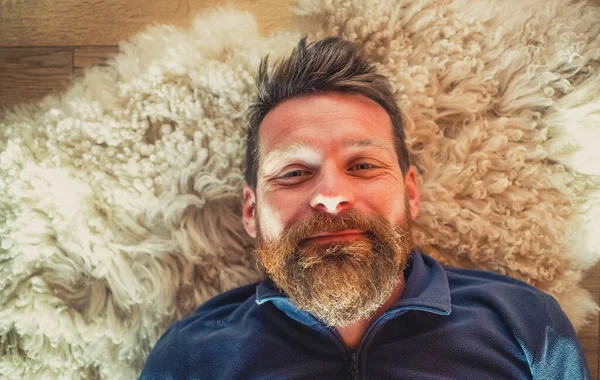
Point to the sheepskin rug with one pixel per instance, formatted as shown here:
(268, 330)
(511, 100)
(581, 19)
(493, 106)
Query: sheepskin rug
(120, 200)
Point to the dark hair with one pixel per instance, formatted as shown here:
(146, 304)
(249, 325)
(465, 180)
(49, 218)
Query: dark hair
(328, 65)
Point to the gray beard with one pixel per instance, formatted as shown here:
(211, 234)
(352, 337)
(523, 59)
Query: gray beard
(341, 282)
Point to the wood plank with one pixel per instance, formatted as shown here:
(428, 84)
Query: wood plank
(28, 74)
(91, 22)
(88, 56)
(590, 335)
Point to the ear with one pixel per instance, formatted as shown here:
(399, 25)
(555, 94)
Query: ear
(411, 190)
(248, 210)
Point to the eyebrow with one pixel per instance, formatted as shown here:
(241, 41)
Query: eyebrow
(370, 143)
(295, 148)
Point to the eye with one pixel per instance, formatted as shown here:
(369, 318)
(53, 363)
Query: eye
(292, 174)
(363, 166)
(293, 177)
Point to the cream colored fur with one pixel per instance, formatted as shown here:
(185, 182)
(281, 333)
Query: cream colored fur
(120, 199)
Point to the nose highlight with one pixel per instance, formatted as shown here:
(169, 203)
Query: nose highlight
(333, 192)
(329, 204)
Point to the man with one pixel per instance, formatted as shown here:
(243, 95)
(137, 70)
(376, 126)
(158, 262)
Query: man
(330, 197)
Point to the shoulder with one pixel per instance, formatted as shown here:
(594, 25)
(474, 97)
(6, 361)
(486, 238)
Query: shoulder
(514, 303)
(461, 280)
(179, 344)
(224, 304)
(533, 317)
(224, 310)
(162, 361)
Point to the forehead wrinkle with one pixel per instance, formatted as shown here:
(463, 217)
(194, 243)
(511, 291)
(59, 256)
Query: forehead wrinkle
(370, 143)
(386, 147)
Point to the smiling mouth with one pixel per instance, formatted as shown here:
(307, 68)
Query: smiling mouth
(336, 237)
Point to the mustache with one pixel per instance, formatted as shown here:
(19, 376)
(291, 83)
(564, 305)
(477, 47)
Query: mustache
(279, 252)
(321, 222)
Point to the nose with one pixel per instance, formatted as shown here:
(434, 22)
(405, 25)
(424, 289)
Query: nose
(333, 193)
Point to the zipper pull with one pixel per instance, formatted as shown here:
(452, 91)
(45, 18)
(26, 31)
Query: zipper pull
(354, 369)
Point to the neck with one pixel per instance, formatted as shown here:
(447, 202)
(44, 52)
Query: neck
(353, 333)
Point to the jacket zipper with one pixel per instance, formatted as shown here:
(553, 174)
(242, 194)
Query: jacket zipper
(370, 331)
(354, 369)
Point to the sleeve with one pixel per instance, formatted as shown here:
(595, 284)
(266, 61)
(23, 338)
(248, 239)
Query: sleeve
(558, 354)
(163, 361)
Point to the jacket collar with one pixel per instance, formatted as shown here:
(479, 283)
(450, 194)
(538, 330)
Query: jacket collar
(426, 289)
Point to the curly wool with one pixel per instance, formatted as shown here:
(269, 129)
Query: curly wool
(120, 199)
(501, 104)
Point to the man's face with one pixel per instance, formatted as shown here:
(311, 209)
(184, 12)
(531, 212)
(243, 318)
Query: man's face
(332, 213)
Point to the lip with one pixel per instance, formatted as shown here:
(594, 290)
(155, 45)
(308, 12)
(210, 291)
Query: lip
(328, 237)
(337, 233)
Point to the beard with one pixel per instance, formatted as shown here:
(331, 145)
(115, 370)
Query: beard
(343, 281)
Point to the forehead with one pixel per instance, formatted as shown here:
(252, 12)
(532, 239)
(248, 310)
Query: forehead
(316, 123)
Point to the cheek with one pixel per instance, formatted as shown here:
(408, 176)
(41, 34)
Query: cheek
(397, 210)
(269, 221)
(388, 201)
(280, 209)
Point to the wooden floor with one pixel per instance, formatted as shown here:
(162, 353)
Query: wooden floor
(45, 43)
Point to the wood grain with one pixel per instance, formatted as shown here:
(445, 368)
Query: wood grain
(28, 74)
(107, 22)
(88, 56)
(589, 336)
